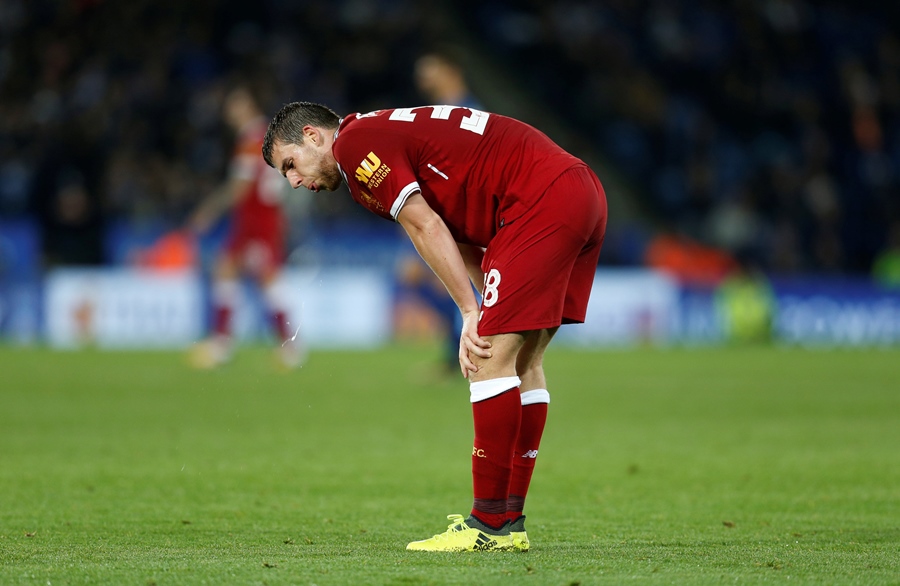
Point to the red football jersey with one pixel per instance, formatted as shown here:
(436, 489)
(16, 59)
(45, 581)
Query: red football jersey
(258, 211)
(477, 170)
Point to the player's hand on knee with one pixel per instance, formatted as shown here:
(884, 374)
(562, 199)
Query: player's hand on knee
(471, 344)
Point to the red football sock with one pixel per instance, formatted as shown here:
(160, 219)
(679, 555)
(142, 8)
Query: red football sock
(224, 298)
(497, 422)
(279, 322)
(534, 417)
(222, 321)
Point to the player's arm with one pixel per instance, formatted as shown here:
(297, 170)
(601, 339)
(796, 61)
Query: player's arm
(436, 246)
(472, 256)
(219, 202)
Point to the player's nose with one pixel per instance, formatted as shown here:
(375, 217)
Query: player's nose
(294, 179)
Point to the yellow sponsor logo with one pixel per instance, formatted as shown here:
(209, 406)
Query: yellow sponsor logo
(478, 453)
(367, 168)
(371, 172)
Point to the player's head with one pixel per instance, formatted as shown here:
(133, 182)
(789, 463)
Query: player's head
(240, 106)
(439, 76)
(288, 125)
(298, 144)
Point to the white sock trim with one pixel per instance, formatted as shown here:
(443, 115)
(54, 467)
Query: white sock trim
(485, 389)
(535, 396)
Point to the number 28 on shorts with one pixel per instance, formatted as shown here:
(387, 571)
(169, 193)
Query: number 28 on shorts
(491, 292)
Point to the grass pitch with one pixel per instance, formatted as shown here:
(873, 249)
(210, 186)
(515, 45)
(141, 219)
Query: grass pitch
(705, 466)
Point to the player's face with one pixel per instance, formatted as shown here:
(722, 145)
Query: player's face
(309, 165)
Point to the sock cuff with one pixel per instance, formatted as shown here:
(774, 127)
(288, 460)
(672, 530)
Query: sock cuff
(535, 396)
(485, 389)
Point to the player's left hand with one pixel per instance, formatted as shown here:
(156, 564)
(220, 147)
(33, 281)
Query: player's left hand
(471, 344)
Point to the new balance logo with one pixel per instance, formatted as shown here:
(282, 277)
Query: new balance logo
(484, 543)
(530, 454)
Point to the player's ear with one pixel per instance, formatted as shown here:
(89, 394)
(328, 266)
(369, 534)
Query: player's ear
(312, 134)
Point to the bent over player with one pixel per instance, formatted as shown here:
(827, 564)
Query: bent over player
(482, 197)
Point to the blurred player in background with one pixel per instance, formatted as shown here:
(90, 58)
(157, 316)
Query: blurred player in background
(440, 79)
(255, 244)
(486, 200)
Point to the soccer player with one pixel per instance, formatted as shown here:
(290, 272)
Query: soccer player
(255, 246)
(440, 77)
(482, 197)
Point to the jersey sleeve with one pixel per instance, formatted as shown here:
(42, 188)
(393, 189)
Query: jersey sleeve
(379, 168)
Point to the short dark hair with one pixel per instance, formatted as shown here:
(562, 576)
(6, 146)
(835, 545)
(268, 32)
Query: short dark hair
(448, 54)
(287, 125)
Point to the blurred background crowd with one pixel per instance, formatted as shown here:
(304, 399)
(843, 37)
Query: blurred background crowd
(765, 130)
(769, 128)
(110, 112)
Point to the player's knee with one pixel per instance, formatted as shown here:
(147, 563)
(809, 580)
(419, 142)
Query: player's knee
(502, 362)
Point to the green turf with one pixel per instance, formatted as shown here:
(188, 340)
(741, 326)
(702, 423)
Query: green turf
(706, 466)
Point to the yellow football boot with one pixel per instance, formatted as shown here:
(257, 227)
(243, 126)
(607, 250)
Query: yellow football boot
(211, 353)
(519, 537)
(465, 535)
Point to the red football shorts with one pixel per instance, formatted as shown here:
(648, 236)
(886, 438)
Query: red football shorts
(539, 269)
(256, 251)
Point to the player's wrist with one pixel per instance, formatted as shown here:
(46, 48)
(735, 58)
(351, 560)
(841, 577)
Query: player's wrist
(469, 312)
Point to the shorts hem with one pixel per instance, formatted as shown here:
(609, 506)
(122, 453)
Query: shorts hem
(513, 328)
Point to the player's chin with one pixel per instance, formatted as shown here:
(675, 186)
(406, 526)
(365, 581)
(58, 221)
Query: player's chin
(328, 186)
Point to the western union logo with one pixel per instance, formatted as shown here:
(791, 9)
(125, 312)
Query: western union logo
(367, 168)
(371, 172)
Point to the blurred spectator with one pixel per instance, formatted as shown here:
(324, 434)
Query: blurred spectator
(747, 304)
(72, 233)
(690, 262)
(174, 251)
(440, 79)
